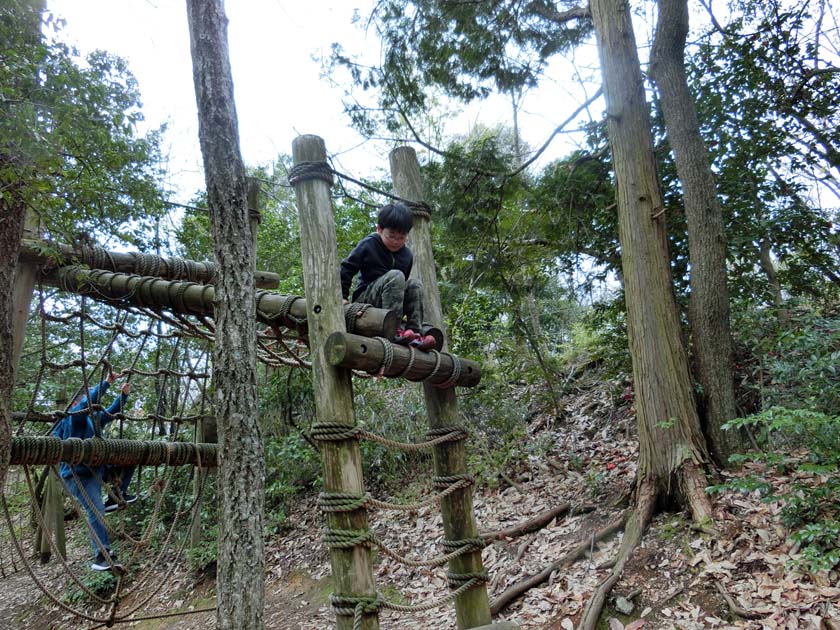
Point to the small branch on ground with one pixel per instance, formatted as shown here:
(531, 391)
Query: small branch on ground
(519, 488)
(576, 553)
(531, 525)
(734, 608)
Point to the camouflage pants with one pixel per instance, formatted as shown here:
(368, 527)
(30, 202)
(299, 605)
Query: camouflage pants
(393, 292)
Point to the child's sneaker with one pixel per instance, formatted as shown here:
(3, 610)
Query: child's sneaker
(101, 563)
(425, 342)
(405, 336)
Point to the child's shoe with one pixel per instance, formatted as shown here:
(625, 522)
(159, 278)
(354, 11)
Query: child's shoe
(405, 336)
(424, 342)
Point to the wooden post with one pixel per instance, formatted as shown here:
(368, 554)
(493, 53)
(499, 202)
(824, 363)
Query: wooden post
(22, 298)
(351, 568)
(473, 607)
(254, 216)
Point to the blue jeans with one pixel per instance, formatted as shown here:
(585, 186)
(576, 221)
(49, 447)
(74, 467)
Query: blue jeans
(90, 482)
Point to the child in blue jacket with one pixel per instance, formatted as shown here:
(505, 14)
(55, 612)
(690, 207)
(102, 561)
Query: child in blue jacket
(86, 484)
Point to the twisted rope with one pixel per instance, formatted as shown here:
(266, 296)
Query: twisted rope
(351, 501)
(349, 538)
(307, 171)
(336, 432)
(357, 607)
(352, 313)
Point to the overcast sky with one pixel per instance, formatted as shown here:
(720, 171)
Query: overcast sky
(278, 86)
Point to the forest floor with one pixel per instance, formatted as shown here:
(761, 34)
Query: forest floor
(747, 577)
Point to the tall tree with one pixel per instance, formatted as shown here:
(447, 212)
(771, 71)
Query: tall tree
(78, 160)
(709, 302)
(25, 19)
(672, 451)
(241, 583)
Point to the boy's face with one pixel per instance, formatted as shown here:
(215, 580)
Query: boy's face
(394, 240)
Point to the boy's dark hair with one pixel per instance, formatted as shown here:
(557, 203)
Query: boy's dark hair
(396, 216)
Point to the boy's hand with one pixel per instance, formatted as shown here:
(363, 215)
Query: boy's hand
(126, 388)
(343, 301)
(112, 376)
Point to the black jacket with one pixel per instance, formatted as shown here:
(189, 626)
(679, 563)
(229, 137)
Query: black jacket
(373, 260)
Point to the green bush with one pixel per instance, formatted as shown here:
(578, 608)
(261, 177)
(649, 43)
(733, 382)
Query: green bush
(811, 504)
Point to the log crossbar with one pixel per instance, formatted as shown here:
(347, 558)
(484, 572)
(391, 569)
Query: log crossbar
(60, 255)
(44, 451)
(194, 298)
(371, 355)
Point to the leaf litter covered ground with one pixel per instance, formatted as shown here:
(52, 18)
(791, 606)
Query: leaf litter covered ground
(747, 577)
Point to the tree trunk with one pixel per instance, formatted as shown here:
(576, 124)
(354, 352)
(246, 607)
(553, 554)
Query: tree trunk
(709, 303)
(669, 429)
(240, 582)
(672, 450)
(15, 287)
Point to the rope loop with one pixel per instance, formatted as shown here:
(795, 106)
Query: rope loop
(333, 432)
(352, 313)
(419, 208)
(459, 580)
(306, 171)
(454, 433)
(474, 544)
(456, 373)
(341, 501)
(442, 483)
(348, 538)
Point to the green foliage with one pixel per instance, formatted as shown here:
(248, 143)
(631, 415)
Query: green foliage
(101, 583)
(811, 501)
(69, 145)
(205, 553)
(463, 49)
(770, 121)
(794, 359)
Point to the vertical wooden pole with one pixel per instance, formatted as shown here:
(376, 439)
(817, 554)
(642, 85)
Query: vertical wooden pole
(351, 568)
(472, 608)
(22, 296)
(254, 215)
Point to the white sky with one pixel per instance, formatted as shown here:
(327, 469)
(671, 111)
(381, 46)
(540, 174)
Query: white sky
(277, 84)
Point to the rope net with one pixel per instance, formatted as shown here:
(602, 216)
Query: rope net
(73, 344)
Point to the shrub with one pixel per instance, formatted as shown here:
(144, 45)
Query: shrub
(811, 503)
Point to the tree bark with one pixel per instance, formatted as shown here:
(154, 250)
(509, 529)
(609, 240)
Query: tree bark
(15, 286)
(669, 428)
(709, 304)
(672, 450)
(240, 581)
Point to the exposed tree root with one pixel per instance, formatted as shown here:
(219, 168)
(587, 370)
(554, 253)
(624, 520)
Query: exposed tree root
(576, 553)
(692, 482)
(735, 608)
(538, 522)
(636, 526)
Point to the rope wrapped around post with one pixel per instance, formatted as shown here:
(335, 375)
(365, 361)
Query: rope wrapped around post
(32, 450)
(382, 357)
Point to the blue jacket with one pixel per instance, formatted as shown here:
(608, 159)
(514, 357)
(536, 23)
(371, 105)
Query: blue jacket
(79, 424)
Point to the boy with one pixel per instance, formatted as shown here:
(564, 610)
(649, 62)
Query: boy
(87, 482)
(384, 264)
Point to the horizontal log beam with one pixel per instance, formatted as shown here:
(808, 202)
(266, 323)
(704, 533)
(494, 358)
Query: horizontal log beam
(361, 353)
(45, 451)
(60, 255)
(51, 417)
(194, 298)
